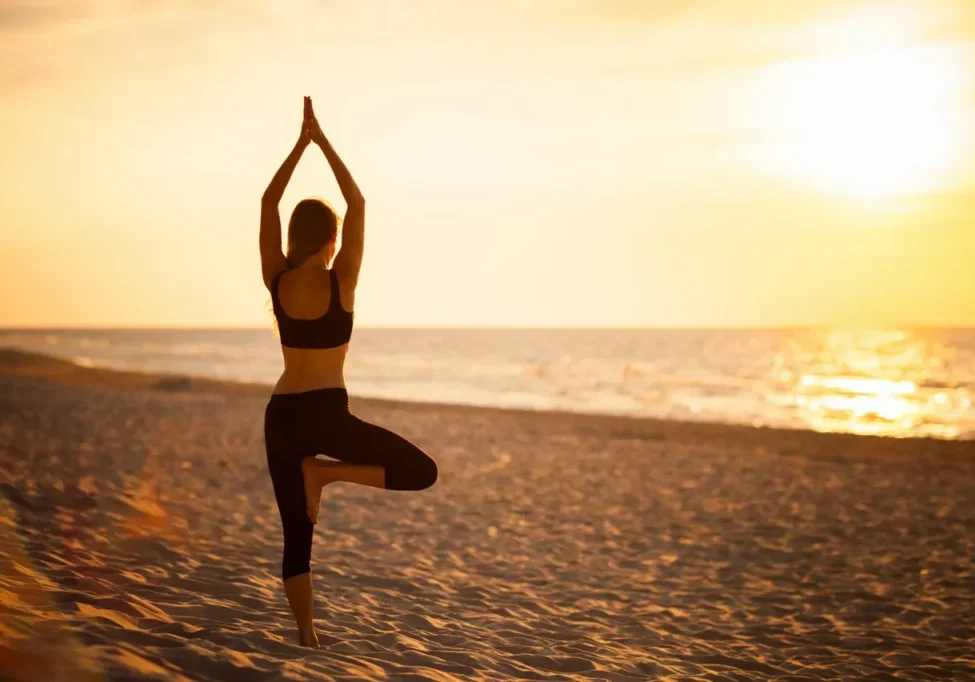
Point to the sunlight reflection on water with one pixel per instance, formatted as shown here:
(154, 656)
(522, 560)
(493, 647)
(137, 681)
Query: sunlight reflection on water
(879, 383)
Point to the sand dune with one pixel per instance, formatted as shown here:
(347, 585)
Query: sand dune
(139, 540)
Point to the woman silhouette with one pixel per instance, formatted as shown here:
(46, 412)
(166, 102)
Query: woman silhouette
(308, 413)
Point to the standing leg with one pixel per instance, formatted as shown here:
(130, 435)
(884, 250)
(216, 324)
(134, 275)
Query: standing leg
(301, 599)
(284, 463)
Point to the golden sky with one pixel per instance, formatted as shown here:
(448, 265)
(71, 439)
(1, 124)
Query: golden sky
(545, 162)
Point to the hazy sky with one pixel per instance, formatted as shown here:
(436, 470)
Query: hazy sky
(546, 162)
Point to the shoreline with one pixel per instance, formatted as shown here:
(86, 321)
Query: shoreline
(29, 364)
(781, 379)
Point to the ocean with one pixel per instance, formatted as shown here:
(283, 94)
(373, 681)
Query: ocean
(917, 382)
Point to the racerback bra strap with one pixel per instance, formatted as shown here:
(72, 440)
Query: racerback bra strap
(331, 330)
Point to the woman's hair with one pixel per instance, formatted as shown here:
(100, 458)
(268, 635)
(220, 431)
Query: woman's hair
(313, 224)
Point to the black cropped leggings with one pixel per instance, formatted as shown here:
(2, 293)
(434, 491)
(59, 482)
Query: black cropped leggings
(299, 425)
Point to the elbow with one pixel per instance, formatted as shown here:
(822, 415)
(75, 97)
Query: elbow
(357, 200)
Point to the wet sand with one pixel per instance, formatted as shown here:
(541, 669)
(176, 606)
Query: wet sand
(139, 539)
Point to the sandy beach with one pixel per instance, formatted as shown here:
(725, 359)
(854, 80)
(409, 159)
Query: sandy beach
(139, 539)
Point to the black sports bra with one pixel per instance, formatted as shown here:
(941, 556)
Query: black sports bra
(331, 330)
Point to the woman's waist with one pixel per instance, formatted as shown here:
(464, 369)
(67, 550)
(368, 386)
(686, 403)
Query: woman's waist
(305, 375)
(305, 380)
(314, 361)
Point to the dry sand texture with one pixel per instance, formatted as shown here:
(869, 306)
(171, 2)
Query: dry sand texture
(139, 540)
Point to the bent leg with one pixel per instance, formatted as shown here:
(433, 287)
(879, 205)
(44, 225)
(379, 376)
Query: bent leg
(284, 464)
(371, 455)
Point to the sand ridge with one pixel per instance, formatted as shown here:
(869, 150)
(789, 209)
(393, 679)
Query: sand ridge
(139, 540)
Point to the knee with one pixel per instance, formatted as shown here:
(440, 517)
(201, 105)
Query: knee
(427, 474)
(297, 550)
(417, 474)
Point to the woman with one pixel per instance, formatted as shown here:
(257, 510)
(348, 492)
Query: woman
(308, 413)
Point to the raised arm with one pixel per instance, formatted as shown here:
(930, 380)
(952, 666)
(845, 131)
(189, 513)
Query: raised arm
(272, 257)
(349, 260)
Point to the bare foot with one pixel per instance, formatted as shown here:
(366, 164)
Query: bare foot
(310, 641)
(317, 474)
(314, 641)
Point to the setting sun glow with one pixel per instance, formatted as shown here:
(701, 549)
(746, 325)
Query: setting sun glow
(583, 164)
(875, 117)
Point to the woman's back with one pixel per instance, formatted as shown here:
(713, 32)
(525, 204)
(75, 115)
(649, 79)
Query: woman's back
(306, 292)
(314, 316)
